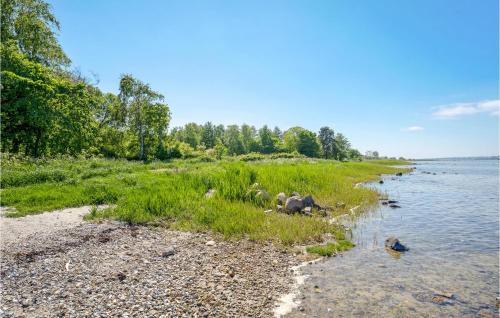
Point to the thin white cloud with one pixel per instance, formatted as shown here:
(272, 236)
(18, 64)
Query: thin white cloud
(413, 128)
(491, 107)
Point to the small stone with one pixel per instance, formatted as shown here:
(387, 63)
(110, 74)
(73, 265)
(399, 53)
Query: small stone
(210, 193)
(210, 243)
(444, 294)
(281, 198)
(268, 211)
(307, 210)
(121, 276)
(168, 252)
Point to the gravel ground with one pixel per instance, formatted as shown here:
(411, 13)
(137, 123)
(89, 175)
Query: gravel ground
(17, 229)
(112, 270)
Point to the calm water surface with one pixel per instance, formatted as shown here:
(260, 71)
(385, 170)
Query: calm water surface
(450, 221)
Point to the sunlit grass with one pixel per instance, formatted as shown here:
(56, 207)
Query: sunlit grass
(172, 194)
(390, 162)
(330, 248)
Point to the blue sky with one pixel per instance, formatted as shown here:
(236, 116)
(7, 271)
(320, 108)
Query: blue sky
(411, 78)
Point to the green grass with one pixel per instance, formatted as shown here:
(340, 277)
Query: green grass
(330, 248)
(172, 194)
(390, 162)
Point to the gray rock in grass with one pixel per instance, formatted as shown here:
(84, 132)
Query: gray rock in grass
(294, 204)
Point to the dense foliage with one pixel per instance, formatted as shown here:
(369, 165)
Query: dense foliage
(48, 110)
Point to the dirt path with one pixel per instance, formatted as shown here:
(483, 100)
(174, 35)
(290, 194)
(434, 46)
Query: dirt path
(14, 230)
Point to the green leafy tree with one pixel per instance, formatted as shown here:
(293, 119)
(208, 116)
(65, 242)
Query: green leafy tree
(220, 149)
(43, 112)
(278, 134)
(208, 137)
(308, 144)
(220, 131)
(355, 155)
(301, 140)
(342, 145)
(327, 140)
(232, 139)
(32, 26)
(192, 135)
(248, 138)
(147, 115)
(267, 140)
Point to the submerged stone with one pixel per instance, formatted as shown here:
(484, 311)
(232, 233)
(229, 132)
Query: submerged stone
(394, 244)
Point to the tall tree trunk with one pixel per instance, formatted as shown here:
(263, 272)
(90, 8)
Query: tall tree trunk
(142, 143)
(15, 145)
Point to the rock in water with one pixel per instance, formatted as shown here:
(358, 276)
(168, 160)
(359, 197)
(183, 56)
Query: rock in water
(308, 201)
(399, 174)
(394, 244)
(381, 182)
(394, 206)
(281, 198)
(294, 204)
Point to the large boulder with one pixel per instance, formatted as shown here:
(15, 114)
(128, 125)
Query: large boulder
(394, 244)
(308, 201)
(281, 198)
(294, 204)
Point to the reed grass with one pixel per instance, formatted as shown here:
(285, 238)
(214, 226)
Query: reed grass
(172, 194)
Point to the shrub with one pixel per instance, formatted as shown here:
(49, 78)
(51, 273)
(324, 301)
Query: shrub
(253, 156)
(13, 178)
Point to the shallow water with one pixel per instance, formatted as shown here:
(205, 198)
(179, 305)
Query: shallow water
(448, 219)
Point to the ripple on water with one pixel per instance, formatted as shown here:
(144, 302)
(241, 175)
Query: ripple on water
(450, 222)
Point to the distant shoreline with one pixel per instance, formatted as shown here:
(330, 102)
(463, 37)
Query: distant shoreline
(458, 158)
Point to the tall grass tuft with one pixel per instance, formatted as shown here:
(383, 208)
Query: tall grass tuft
(173, 193)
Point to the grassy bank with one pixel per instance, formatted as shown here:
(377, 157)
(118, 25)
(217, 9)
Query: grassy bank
(173, 193)
(390, 162)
